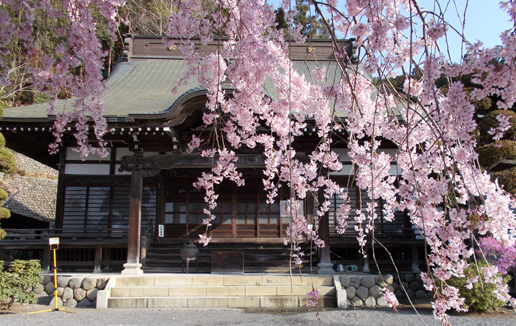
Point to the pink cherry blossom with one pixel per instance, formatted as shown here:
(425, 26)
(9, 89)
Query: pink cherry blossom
(426, 132)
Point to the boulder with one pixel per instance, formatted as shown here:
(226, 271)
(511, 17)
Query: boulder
(345, 281)
(59, 302)
(380, 281)
(38, 289)
(89, 283)
(356, 302)
(370, 302)
(414, 286)
(388, 278)
(362, 292)
(67, 294)
(45, 279)
(101, 283)
(354, 281)
(375, 291)
(49, 288)
(381, 302)
(62, 281)
(350, 292)
(91, 294)
(368, 281)
(400, 294)
(70, 303)
(85, 303)
(75, 282)
(421, 294)
(79, 294)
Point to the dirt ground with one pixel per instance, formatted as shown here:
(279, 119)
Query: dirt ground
(423, 307)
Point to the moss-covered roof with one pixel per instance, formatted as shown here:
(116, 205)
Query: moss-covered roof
(33, 195)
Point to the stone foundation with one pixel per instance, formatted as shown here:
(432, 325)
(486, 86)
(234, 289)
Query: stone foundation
(72, 291)
(366, 290)
(351, 290)
(413, 285)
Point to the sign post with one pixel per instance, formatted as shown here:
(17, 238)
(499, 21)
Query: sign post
(54, 245)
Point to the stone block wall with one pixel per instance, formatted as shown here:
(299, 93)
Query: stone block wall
(72, 291)
(366, 290)
(413, 285)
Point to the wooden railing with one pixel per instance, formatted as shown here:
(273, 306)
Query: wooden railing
(386, 234)
(65, 234)
(78, 248)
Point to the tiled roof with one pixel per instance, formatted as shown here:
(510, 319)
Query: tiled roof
(33, 195)
(143, 84)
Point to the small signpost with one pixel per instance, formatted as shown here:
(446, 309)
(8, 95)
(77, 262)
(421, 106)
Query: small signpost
(54, 245)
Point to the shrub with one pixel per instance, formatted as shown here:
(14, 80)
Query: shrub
(17, 282)
(497, 254)
(490, 121)
(495, 152)
(7, 162)
(481, 297)
(507, 178)
(4, 213)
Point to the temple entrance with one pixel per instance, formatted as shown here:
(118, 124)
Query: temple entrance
(242, 212)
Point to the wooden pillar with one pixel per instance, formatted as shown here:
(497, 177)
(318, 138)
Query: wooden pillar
(415, 260)
(325, 265)
(97, 268)
(133, 265)
(366, 268)
(45, 265)
(58, 223)
(160, 206)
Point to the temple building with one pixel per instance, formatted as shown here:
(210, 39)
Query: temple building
(137, 206)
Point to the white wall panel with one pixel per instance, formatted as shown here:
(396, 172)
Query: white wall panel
(72, 155)
(87, 169)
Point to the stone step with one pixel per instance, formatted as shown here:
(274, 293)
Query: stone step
(217, 280)
(268, 302)
(269, 291)
(204, 291)
(204, 269)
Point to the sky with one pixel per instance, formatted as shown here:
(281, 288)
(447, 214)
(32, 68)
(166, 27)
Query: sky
(485, 21)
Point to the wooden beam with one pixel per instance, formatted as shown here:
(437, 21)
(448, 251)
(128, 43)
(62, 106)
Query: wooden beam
(169, 161)
(133, 265)
(325, 265)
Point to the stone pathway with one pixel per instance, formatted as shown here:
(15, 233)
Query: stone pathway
(190, 317)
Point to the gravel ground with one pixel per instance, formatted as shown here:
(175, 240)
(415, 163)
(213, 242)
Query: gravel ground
(187, 317)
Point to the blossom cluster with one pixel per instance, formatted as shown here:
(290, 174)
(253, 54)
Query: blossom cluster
(437, 181)
(431, 131)
(77, 49)
(313, 297)
(497, 254)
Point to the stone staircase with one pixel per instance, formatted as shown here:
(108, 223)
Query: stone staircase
(265, 291)
(163, 257)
